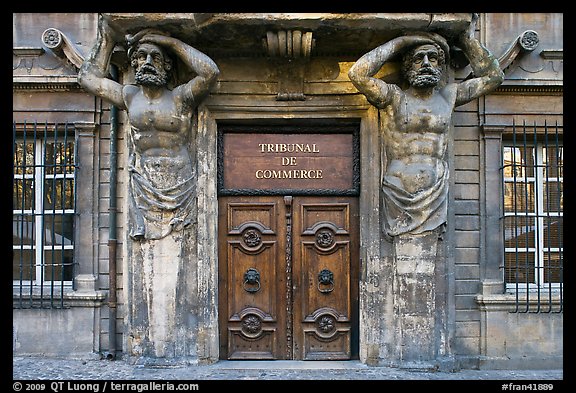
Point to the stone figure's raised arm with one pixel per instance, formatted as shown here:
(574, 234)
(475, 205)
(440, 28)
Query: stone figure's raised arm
(206, 70)
(362, 72)
(487, 73)
(93, 74)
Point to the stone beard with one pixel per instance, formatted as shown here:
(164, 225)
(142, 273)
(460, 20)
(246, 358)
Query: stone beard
(148, 75)
(424, 77)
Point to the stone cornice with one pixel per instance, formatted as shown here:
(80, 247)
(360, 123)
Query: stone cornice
(530, 89)
(244, 33)
(491, 131)
(30, 51)
(552, 54)
(45, 83)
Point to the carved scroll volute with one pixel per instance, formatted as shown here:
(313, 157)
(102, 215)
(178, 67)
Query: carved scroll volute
(62, 47)
(525, 42)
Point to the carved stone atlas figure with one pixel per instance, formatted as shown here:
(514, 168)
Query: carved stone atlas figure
(416, 121)
(162, 172)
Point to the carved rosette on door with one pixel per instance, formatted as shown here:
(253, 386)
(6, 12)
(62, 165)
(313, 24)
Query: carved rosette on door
(288, 277)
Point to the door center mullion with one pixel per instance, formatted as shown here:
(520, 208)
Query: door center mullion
(289, 286)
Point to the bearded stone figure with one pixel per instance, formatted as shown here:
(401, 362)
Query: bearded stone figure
(162, 172)
(416, 121)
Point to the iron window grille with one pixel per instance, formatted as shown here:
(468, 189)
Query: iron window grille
(533, 217)
(43, 214)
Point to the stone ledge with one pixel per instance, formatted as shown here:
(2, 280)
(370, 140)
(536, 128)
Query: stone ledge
(71, 299)
(333, 33)
(508, 301)
(86, 294)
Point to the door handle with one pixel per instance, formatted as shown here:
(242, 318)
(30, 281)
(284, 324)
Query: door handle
(251, 278)
(325, 278)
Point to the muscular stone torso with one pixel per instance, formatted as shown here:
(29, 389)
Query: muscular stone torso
(415, 141)
(160, 135)
(160, 123)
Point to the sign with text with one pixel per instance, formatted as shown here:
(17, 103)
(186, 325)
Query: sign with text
(321, 162)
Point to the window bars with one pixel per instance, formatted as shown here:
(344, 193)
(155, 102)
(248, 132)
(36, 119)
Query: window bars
(43, 213)
(533, 217)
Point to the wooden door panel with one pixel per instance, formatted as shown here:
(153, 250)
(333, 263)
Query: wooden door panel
(323, 239)
(317, 214)
(242, 214)
(334, 345)
(252, 281)
(251, 274)
(252, 334)
(332, 288)
(288, 274)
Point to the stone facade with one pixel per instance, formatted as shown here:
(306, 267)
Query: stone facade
(264, 81)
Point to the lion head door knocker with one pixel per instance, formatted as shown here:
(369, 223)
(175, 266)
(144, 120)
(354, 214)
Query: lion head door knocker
(251, 280)
(325, 281)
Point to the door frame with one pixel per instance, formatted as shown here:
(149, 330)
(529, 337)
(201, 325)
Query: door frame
(216, 111)
(338, 127)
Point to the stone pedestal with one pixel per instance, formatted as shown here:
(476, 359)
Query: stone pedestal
(161, 292)
(419, 309)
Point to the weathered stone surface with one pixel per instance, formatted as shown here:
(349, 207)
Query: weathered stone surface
(333, 33)
(415, 294)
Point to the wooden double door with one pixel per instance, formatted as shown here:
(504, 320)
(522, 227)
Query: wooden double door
(288, 277)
